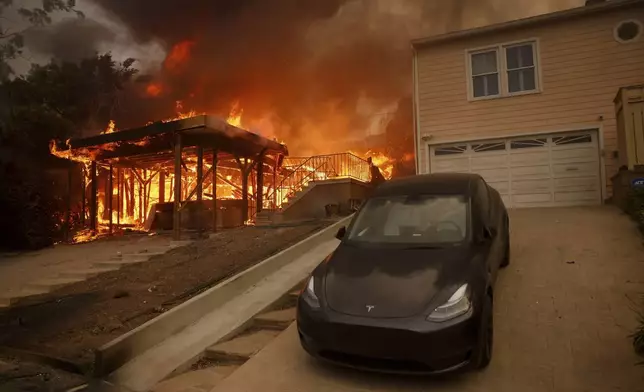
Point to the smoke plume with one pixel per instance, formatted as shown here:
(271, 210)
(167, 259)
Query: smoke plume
(315, 74)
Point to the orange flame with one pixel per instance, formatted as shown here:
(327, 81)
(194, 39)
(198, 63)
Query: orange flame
(111, 127)
(154, 89)
(179, 54)
(235, 115)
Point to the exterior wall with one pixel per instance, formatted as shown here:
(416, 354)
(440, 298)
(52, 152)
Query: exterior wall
(581, 69)
(311, 205)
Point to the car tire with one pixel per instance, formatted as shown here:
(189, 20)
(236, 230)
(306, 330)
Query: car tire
(484, 353)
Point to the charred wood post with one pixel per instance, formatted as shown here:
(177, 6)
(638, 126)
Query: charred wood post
(130, 205)
(84, 194)
(162, 186)
(260, 185)
(176, 218)
(68, 204)
(214, 189)
(245, 167)
(119, 200)
(199, 188)
(110, 194)
(93, 207)
(275, 184)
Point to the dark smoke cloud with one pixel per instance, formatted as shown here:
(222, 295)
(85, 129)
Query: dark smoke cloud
(69, 40)
(300, 69)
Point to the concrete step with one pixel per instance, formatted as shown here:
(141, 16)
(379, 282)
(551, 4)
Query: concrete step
(87, 272)
(51, 284)
(197, 380)
(241, 348)
(277, 319)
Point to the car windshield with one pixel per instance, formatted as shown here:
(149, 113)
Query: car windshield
(418, 221)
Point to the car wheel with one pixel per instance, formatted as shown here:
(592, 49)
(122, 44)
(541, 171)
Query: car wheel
(486, 343)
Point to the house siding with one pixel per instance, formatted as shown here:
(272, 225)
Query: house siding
(581, 69)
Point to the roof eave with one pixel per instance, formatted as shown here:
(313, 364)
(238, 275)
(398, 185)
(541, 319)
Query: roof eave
(526, 22)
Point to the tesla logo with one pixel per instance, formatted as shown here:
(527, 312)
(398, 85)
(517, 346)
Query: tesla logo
(369, 307)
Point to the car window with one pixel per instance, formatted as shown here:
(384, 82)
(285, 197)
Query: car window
(412, 220)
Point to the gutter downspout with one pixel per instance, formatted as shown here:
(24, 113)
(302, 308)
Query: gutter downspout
(415, 106)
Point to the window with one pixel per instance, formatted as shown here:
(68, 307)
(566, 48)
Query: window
(450, 150)
(521, 69)
(504, 70)
(577, 139)
(496, 146)
(628, 31)
(528, 143)
(485, 74)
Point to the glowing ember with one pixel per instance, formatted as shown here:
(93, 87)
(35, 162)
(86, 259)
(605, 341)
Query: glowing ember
(154, 89)
(179, 54)
(111, 127)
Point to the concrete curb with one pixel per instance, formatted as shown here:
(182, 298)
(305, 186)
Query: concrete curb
(116, 353)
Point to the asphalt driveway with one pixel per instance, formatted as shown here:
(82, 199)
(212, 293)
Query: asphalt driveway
(563, 313)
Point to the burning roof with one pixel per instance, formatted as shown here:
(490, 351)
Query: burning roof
(153, 143)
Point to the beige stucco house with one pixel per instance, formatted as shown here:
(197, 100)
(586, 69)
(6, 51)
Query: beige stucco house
(528, 104)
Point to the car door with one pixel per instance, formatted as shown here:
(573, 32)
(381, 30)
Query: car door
(488, 218)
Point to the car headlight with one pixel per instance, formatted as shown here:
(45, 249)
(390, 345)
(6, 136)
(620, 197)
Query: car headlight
(309, 294)
(458, 304)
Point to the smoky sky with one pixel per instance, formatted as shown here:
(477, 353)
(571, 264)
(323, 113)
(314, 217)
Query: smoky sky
(306, 65)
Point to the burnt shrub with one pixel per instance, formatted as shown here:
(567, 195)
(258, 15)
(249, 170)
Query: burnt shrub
(635, 207)
(27, 208)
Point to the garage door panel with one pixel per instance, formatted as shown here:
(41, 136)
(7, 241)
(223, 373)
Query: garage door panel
(489, 162)
(572, 170)
(578, 155)
(525, 187)
(582, 184)
(533, 171)
(530, 172)
(503, 187)
(526, 158)
(451, 165)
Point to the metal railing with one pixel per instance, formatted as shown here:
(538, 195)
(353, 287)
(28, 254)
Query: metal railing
(298, 172)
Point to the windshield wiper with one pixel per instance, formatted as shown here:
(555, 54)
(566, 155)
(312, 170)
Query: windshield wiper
(426, 247)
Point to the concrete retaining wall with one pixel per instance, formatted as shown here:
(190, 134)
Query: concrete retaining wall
(119, 351)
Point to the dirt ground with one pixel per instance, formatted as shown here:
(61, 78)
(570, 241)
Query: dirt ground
(70, 322)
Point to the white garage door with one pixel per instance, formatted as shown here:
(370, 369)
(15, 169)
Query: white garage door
(560, 169)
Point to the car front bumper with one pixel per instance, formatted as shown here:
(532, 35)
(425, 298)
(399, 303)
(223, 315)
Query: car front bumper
(407, 346)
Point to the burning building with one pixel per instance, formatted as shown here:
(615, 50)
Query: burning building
(197, 172)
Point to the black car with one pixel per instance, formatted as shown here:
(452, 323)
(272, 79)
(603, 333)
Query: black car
(410, 288)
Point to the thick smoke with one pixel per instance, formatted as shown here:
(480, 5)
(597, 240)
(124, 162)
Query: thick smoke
(309, 72)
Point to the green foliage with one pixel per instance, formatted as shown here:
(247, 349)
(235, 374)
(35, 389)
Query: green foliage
(53, 101)
(12, 42)
(635, 207)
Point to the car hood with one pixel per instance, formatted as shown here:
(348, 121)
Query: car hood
(391, 283)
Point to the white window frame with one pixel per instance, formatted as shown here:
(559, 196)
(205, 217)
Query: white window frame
(504, 87)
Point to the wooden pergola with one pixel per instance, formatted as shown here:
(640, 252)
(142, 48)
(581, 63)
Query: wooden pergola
(167, 145)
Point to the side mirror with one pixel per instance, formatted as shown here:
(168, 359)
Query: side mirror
(341, 233)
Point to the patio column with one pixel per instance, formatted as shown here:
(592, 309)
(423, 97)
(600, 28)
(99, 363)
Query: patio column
(214, 189)
(109, 195)
(93, 208)
(176, 216)
(260, 185)
(199, 189)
